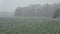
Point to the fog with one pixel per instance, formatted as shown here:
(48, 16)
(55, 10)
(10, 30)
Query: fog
(29, 16)
(8, 7)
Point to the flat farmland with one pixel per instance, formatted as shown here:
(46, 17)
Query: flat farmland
(29, 25)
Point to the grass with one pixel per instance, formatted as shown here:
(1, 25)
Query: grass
(29, 26)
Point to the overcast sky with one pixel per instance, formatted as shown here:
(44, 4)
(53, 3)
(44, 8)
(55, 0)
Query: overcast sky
(10, 5)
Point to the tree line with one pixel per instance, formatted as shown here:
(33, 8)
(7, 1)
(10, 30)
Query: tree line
(37, 10)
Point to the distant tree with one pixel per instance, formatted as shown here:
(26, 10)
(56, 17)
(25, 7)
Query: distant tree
(56, 13)
(17, 11)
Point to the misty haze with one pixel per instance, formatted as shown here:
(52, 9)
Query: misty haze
(29, 16)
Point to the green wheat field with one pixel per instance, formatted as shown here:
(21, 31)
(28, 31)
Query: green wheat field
(29, 25)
